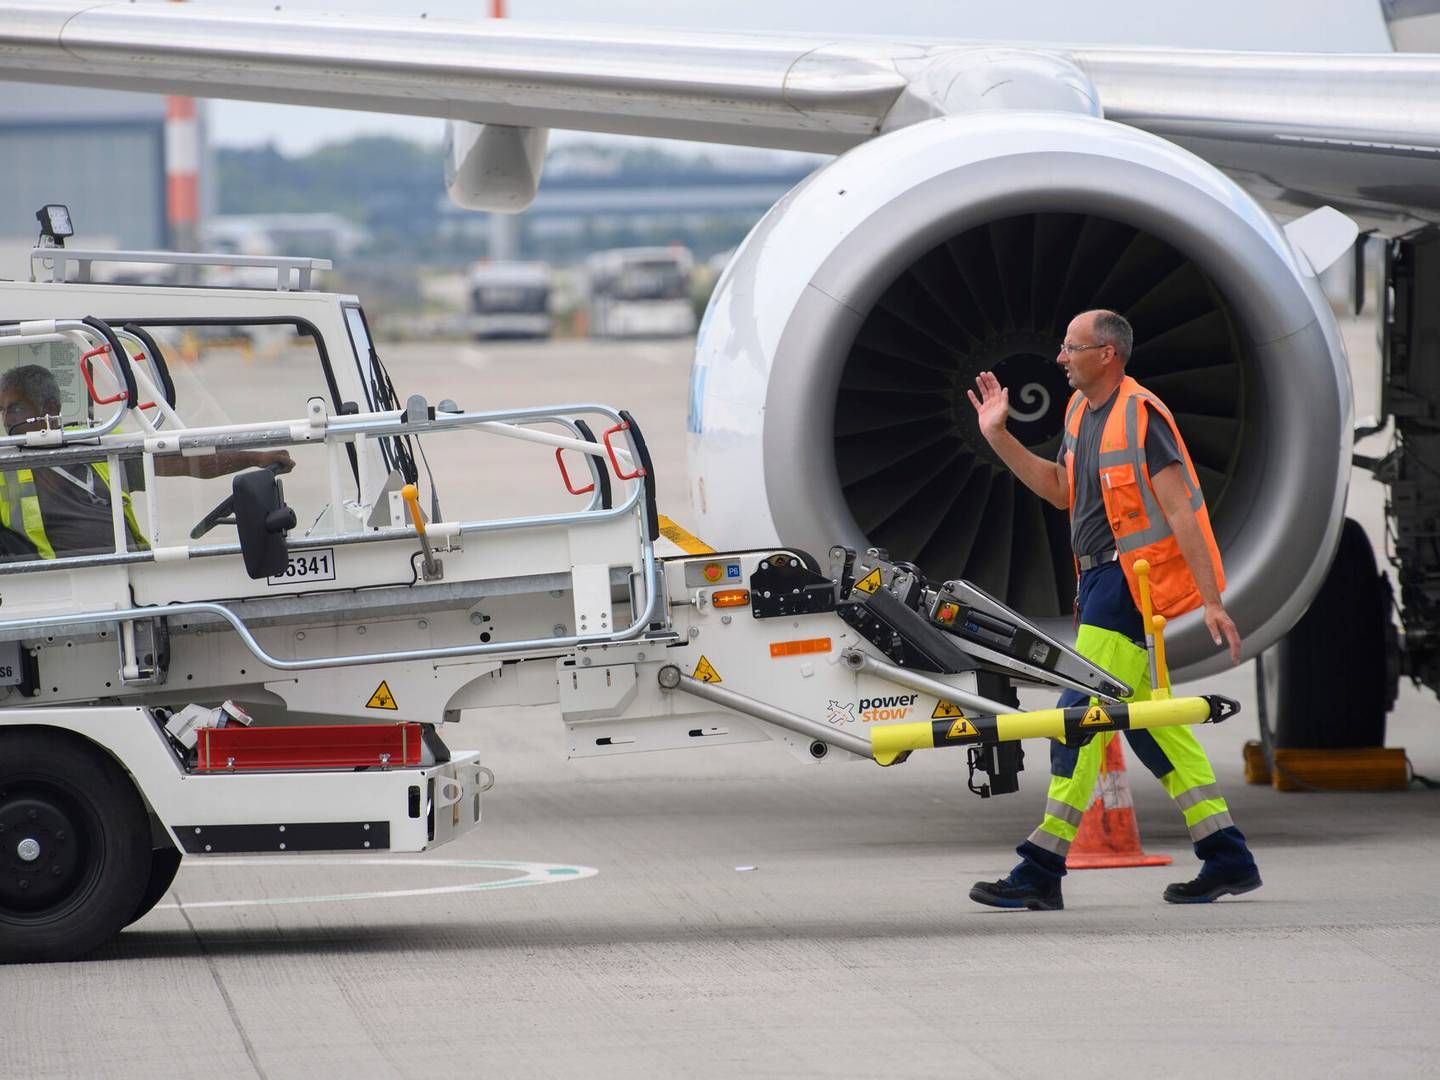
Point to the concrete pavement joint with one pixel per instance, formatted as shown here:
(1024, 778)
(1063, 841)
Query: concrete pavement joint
(224, 993)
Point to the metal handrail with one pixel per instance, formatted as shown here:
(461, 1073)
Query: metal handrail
(127, 445)
(131, 445)
(80, 334)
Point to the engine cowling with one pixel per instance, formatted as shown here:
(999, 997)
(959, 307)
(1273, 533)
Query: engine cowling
(828, 394)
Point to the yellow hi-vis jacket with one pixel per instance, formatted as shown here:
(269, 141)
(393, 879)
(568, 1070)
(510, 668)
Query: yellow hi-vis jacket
(1136, 520)
(20, 508)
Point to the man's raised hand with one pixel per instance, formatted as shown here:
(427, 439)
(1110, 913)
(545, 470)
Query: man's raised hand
(992, 407)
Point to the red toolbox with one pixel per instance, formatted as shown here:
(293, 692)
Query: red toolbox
(325, 746)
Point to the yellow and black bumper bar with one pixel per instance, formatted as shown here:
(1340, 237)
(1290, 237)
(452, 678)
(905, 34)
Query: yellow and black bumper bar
(890, 743)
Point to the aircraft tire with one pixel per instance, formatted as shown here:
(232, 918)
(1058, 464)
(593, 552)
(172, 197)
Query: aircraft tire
(75, 854)
(1330, 679)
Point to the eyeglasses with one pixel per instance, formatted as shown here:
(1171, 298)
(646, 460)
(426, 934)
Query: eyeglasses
(1070, 349)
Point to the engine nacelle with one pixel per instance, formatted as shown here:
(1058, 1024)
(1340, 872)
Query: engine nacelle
(828, 395)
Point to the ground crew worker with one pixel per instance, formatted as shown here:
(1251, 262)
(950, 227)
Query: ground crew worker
(1127, 479)
(65, 509)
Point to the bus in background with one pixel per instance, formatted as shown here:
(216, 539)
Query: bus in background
(640, 292)
(510, 300)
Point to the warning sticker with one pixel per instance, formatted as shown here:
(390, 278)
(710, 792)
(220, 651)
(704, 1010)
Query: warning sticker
(705, 671)
(870, 583)
(961, 728)
(945, 710)
(1095, 716)
(382, 698)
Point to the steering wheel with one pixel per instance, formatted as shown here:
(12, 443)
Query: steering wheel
(223, 512)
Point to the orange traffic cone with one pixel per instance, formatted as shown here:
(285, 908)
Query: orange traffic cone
(1108, 835)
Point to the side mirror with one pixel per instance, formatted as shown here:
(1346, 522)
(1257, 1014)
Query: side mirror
(262, 519)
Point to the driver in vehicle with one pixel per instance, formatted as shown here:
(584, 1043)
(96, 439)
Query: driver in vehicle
(64, 510)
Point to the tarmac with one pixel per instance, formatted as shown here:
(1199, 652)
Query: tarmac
(737, 912)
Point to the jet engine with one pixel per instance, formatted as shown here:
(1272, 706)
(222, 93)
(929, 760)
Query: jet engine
(828, 394)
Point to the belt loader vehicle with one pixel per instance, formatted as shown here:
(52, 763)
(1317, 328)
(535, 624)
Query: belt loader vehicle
(275, 674)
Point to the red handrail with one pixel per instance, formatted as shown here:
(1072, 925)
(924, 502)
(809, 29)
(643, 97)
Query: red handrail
(104, 350)
(614, 461)
(564, 475)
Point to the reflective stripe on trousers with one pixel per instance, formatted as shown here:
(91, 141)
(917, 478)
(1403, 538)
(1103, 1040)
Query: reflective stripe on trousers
(1173, 754)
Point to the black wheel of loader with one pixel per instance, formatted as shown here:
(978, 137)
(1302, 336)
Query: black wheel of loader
(164, 864)
(75, 853)
(1330, 681)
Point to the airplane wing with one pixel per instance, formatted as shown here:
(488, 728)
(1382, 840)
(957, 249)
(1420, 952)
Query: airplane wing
(1357, 131)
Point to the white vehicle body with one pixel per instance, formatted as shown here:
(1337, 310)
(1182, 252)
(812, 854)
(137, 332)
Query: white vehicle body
(640, 292)
(510, 300)
(371, 615)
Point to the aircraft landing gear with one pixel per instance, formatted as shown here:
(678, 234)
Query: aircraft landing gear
(1329, 683)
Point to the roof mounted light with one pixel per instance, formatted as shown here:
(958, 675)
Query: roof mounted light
(55, 224)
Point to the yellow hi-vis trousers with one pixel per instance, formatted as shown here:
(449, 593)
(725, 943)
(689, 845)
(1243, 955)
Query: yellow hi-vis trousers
(1173, 754)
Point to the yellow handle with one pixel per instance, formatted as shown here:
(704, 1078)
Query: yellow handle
(1142, 571)
(1162, 691)
(411, 494)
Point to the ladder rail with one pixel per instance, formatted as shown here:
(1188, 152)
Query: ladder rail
(501, 423)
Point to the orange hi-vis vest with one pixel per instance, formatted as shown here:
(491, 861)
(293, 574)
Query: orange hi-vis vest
(1136, 520)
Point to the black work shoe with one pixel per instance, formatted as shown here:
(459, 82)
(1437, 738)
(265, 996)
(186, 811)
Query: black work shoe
(1010, 894)
(1206, 890)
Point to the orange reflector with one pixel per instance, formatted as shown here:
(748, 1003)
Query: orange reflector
(796, 648)
(730, 598)
(946, 614)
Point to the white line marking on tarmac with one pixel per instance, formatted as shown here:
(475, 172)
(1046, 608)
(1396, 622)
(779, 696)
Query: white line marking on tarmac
(529, 873)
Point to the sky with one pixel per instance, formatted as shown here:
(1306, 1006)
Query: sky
(1348, 25)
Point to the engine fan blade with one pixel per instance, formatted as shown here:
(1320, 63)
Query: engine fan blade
(878, 499)
(860, 457)
(858, 414)
(1012, 240)
(875, 372)
(1212, 440)
(989, 563)
(1204, 391)
(914, 530)
(1032, 585)
(948, 552)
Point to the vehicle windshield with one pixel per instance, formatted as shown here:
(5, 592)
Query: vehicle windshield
(511, 299)
(231, 374)
(655, 279)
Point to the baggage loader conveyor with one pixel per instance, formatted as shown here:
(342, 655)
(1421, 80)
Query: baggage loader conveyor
(286, 688)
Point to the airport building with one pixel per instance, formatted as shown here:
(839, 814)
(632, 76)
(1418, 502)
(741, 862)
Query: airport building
(100, 152)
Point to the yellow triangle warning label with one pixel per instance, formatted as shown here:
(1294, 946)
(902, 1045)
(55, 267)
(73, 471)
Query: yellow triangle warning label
(870, 583)
(705, 671)
(945, 710)
(960, 728)
(1095, 716)
(382, 698)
